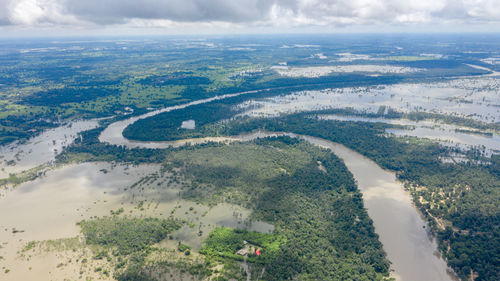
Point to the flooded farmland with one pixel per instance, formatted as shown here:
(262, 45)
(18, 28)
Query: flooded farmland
(49, 208)
(475, 98)
(447, 135)
(18, 157)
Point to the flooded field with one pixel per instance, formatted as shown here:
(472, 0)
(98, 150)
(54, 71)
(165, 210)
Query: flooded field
(41, 149)
(318, 71)
(49, 208)
(475, 98)
(448, 135)
(386, 75)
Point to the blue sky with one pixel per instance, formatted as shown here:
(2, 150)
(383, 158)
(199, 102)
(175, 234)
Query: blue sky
(101, 17)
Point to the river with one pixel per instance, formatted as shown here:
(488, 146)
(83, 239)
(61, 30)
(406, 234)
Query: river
(412, 251)
(401, 228)
(409, 247)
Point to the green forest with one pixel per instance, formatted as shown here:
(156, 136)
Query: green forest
(459, 200)
(328, 232)
(321, 229)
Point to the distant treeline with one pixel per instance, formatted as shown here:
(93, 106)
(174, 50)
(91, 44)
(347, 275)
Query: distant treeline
(177, 78)
(56, 97)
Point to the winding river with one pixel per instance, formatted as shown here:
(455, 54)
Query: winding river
(410, 248)
(402, 231)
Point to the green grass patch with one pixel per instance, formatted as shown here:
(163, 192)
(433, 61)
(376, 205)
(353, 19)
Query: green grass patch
(225, 242)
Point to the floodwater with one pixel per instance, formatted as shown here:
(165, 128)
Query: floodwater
(15, 157)
(49, 207)
(449, 137)
(401, 228)
(476, 98)
(443, 133)
(318, 71)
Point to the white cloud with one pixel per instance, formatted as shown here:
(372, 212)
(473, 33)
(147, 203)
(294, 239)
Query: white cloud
(259, 13)
(27, 12)
(36, 12)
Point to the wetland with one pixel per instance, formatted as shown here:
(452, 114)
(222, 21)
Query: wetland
(323, 161)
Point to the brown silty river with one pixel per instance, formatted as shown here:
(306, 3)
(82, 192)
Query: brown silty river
(45, 211)
(399, 224)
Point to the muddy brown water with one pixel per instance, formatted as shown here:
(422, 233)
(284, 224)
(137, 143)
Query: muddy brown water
(412, 251)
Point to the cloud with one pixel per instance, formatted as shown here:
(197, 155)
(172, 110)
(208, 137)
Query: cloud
(271, 13)
(36, 12)
(4, 13)
(175, 10)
